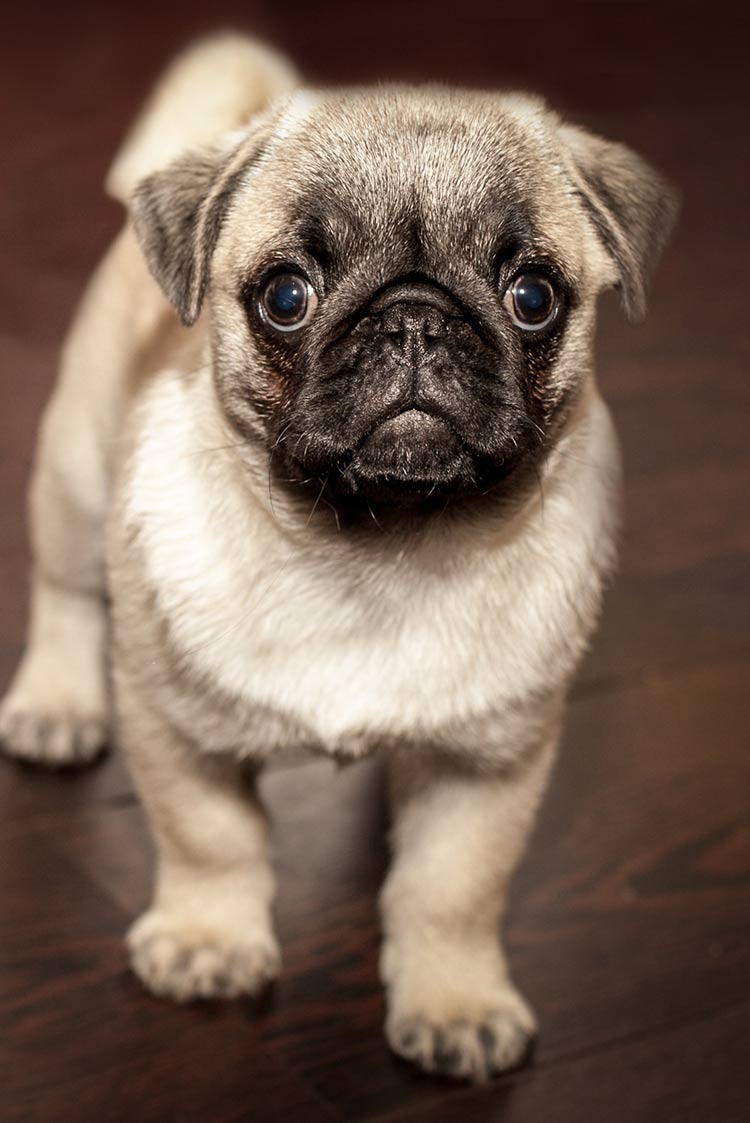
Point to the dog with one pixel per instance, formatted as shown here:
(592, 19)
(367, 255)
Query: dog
(326, 466)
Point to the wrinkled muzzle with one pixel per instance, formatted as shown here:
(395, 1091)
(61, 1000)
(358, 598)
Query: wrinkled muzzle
(407, 402)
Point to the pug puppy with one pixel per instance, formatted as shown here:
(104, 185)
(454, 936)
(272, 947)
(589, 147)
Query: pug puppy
(357, 494)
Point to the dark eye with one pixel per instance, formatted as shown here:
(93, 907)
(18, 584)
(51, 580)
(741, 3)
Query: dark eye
(288, 302)
(531, 301)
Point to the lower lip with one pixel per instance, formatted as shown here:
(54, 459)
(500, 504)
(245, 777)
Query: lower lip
(410, 428)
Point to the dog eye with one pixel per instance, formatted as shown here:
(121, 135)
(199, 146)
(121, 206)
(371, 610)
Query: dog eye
(288, 302)
(531, 301)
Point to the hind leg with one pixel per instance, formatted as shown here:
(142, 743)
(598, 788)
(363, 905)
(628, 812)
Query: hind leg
(57, 708)
(56, 711)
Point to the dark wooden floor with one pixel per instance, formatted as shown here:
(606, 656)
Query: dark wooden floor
(630, 921)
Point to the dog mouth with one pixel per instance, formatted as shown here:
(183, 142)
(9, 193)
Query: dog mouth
(409, 455)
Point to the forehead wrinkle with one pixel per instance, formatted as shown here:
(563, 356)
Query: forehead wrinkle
(452, 172)
(327, 233)
(442, 161)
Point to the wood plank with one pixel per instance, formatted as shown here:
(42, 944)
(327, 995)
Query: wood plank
(80, 1039)
(689, 1073)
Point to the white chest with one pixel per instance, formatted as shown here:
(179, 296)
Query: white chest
(350, 643)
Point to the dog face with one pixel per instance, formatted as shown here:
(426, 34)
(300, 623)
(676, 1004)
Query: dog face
(403, 283)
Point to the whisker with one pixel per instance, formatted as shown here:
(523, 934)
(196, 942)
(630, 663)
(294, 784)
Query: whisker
(335, 514)
(282, 434)
(315, 504)
(374, 519)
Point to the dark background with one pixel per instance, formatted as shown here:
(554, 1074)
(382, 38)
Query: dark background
(630, 920)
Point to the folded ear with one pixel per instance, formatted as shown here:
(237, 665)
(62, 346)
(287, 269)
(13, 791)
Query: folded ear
(632, 208)
(178, 213)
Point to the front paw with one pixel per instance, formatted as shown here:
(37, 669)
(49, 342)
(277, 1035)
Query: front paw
(481, 1041)
(186, 960)
(57, 740)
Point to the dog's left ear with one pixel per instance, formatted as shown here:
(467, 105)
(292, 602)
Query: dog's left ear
(178, 213)
(631, 206)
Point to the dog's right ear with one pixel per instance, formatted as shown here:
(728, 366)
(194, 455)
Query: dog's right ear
(178, 213)
(631, 207)
(178, 191)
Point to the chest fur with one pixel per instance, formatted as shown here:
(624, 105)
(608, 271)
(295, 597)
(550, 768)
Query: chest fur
(323, 643)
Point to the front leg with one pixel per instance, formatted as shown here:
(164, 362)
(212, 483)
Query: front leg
(208, 932)
(457, 837)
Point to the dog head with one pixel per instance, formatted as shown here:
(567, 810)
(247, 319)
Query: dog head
(402, 282)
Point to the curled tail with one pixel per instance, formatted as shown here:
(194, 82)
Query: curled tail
(213, 87)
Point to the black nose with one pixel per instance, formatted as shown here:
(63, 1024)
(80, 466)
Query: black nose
(415, 326)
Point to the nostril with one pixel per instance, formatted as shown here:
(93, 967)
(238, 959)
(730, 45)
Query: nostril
(392, 321)
(434, 324)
